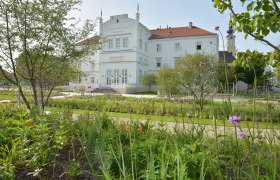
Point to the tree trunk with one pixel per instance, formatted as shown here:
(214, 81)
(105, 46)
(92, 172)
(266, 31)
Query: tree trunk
(48, 97)
(23, 97)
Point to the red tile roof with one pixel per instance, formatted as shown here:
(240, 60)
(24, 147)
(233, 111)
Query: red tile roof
(161, 34)
(178, 32)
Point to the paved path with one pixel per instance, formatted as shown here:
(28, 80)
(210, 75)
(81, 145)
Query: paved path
(5, 101)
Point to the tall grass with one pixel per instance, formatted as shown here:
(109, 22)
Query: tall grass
(138, 151)
(175, 108)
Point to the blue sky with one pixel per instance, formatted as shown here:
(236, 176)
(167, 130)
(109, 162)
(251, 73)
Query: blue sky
(175, 13)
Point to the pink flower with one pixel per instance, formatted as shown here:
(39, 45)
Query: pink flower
(234, 120)
(217, 28)
(242, 135)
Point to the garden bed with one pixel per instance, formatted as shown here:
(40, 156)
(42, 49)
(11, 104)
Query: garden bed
(53, 146)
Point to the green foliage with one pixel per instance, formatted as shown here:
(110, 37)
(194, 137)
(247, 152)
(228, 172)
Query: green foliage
(45, 37)
(258, 19)
(4, 83)
(48, 69)
(74, 169)
(221, 77)
(29, 140)
(148, 80)
(249, 66)
(118, 149)
(160, 107)
(198, 75)
(136, 150)
(168, 81)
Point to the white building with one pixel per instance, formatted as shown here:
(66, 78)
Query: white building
(132, 50)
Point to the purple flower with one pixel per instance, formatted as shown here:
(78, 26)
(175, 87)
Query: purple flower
(217, 28)
(242, 135)
(234, 120)
(257, 123)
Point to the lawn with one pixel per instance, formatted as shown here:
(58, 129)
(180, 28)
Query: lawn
(249, 124)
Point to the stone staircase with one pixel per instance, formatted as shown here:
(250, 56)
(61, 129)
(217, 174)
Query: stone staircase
(105, 91)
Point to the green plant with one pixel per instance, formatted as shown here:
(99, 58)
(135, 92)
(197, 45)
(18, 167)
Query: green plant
(29, 140)
(74, 169)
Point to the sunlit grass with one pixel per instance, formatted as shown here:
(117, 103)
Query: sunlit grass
(130, 116)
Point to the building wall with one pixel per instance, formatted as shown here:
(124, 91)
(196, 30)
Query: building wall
(129, 48)
(187, 45)
(132, 55)
(89, 66)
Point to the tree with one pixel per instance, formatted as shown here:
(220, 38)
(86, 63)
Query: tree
(48, 71)
(148, 80)
(168, 81)
(3, 81)
(259, 20)
(45, 37)
(249, 67)
(198, 75)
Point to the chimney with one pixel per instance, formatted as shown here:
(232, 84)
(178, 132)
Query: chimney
(190, 25)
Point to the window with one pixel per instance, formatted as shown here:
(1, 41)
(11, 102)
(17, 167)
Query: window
(92, 80)
(118, 43)
(110, 43)
(159, 62)
(125, 42)
(198, 45)
(158, 47)
(124, 76)
(116, 78)
(108, 76)
(178, 47)
(141, 42)
(146, 46)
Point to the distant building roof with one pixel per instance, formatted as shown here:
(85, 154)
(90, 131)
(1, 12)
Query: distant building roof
(94, 39)
(229, 57)
(163, 33)
(178, 32)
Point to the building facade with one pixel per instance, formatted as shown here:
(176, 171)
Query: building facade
(132, 50)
